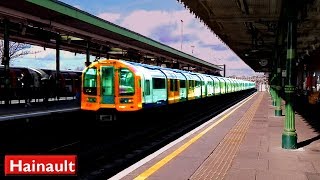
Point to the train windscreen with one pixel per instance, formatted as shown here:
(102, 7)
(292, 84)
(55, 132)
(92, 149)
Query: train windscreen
(126, 82)
(90, 81)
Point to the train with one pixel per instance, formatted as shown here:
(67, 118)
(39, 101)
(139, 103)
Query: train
(41, 83)
(123, 86)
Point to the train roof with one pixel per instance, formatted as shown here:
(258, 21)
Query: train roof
(175, 73)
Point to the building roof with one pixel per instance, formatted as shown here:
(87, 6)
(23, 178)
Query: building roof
(38, 22)
(249, 27)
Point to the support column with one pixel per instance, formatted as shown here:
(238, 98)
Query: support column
(6, 62)
(278, 57)
(278, 110)
(289, 135)
(87, 63)
(272, 86)
(58, 66)
(272, 81)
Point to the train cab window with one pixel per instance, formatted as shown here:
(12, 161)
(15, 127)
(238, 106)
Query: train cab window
(158, 83)
(126, 82)
(90, 81)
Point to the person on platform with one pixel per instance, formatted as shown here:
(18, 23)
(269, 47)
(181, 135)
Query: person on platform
(26, 87)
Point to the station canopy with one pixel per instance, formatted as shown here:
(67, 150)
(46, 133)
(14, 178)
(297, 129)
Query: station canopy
(249, 27)
(45, 22)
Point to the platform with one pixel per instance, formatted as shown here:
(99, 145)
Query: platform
(17, 110)
(244, 142)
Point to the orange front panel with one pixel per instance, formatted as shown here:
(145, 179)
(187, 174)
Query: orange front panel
(87, 103)
(90, 102)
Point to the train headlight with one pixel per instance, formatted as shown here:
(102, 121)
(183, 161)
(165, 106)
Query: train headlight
(126, 100)
(91, 99)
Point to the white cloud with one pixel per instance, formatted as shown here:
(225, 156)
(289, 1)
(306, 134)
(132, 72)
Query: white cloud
(147, 22)
(47, 59)
(39, 52)
(144, 22)
(111, 17)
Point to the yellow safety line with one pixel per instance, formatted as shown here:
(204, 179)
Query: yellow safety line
(168, 158)
(227, 148)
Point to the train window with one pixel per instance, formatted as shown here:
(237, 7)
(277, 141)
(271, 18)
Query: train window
(158, 83)
(147, 87)
(126, 82)
(90, 81)
(182, 84)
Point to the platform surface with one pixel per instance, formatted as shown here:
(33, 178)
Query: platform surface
(20, 110)
(244, 143)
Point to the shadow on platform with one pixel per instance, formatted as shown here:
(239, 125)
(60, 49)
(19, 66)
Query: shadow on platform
(311, 115)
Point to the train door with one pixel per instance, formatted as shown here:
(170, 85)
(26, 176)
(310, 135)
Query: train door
(172, 90)
(107, 84)
(147, 92)
(176, 90)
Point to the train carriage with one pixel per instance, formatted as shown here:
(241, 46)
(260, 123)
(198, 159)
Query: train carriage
(33, 86)
(154, 88)
(128, 86)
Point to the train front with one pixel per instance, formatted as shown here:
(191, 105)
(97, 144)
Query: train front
(109, 85)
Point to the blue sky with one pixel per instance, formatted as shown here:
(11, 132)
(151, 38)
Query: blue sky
(156, 19)
(124, 6)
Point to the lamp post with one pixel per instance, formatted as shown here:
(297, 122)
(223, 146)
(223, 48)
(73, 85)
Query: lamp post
(181, 33)
(224, 69)
(192, 49)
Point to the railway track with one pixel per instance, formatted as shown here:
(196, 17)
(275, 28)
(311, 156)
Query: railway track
(137, 147)
(116, 145)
